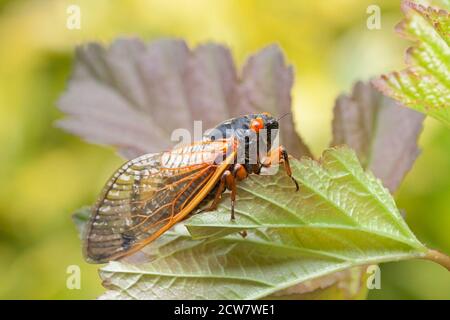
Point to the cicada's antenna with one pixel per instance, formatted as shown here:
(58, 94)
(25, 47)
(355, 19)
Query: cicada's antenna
(284, 115)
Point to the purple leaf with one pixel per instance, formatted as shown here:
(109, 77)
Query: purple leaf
(266, 86)
(211, 82)
(383, 133)
(133, 95)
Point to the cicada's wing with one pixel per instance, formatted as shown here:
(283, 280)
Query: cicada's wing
(149, 194)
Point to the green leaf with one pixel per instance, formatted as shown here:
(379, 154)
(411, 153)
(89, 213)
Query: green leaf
(335, 194)
(384, 136)
(349, 284)
(425, 84)
(341, 217)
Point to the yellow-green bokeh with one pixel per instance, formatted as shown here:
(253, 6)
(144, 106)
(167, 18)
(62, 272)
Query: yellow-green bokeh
(46, 174)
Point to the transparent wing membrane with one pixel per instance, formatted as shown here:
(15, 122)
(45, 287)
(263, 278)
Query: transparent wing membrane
(146, 196)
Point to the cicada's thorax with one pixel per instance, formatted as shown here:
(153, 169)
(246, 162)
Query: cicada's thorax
(251, 146)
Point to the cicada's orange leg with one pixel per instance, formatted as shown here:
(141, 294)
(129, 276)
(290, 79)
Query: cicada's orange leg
(280, 155)
(228, 181)
(219, 191)
(239, 173)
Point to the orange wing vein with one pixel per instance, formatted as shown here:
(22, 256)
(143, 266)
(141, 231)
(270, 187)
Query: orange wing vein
(149, 194)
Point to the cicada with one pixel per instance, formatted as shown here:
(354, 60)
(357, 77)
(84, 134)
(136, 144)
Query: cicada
(150, 194)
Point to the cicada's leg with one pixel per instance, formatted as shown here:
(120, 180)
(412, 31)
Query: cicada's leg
(280, 155)
(240, 173)
(231, 185)
(228, 180)
(287, 166)
(220, 189)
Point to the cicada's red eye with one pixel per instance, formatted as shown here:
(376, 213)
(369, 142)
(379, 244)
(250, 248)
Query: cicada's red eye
(257, 124)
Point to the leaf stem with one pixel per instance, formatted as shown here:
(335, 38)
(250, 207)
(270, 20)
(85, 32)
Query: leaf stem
(438, 257)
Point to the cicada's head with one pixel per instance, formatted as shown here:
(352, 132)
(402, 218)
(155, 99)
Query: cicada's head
(262, 126)
(262, 121)
(255, 122)
(256, 134)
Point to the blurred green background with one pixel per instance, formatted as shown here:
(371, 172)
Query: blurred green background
(46, 174)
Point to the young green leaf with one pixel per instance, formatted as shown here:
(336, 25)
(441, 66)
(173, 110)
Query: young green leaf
(425, 84)
(341, 217)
